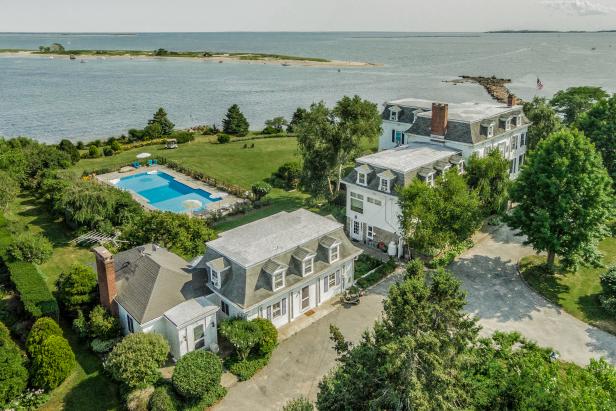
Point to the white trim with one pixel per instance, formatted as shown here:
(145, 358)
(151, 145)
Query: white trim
(335, 247)
(276, 273)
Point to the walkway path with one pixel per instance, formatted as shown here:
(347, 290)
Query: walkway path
(503, 301)
(495, 293)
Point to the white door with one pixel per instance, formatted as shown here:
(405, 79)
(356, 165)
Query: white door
(356, 231)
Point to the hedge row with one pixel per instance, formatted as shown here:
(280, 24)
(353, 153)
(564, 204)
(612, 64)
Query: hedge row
(33, 291)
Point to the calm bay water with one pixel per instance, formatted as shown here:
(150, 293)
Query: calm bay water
(49, 99)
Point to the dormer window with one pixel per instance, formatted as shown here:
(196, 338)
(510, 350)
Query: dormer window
(508, 124)
(490, 133)
(430, 180)
(308, 266)
(518, 121)
(384, 186)
(334, 253)
(427, 175)
(217, 267)
(215, 278)
(385, 180)
(362, 174)
(278, 280)
(393, 113)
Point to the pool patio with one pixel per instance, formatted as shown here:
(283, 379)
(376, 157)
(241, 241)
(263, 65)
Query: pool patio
(225, 204)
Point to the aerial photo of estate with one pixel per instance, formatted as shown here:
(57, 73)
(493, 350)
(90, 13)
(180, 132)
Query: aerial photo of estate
(273, 205)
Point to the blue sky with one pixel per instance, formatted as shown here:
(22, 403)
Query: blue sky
(304, 15)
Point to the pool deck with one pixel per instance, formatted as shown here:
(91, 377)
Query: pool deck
(226, 202)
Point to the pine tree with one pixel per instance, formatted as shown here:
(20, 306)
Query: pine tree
(160, 118)
(234, 122)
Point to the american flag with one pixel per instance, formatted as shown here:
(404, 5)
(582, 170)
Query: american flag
(539, 84)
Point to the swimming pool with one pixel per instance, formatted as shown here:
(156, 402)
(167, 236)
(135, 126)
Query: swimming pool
(163, 192)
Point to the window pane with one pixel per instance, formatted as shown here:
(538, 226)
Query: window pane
(198, 332)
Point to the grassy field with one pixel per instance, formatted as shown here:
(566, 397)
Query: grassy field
(578, 293)
(230, 162)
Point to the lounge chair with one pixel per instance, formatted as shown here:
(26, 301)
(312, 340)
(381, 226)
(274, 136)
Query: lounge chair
(149, 163)
(136, 164)
(155, 162)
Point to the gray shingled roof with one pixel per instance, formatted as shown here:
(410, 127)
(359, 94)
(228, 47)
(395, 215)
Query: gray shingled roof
(151, 280)
(302, 253)
(190, 310)
(258, 241)
(271, 266)
(328, 241)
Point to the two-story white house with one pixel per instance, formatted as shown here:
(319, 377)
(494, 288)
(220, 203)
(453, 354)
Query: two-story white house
(422, 139)
(467, 127)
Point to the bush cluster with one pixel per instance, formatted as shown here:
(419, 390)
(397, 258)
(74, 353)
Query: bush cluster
(34, 294)
(136, 359)
(13, 373)
(223, 138)
(163, 399)
(287, 176)
(196, 374)
(31, 248)
(608, 296)
(76, 288)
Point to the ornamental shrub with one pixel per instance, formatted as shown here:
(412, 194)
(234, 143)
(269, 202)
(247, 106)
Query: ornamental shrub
(269, 336)
(184, 137)
(298, 404)
(107, 151)
(224, 138)
(13, 373)
(415, 268)
(196, 373)
(245, 369)
(32, 248)
(94, 152)
(289, 174)
(52, 363)
(80, 325)
(76, 287)
(260, 190)
(102, 324)
(242, 334)
(608, 296)
(103, 346)
(42, 329)
(136, 359)
(115, 146)
(163, 399)
(138, 400)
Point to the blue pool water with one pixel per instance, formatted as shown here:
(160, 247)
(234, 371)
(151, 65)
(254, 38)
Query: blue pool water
(163, 192)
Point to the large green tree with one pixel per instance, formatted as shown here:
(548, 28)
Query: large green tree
(76, 287)
(599, 124)
(436, 217)
(329, 139)
(564, 198)
(9, 188)
(413, 359)
(574, 101)
(234, 122)
(489, 175)
(544, 120)
(160, 118)
(177, 232)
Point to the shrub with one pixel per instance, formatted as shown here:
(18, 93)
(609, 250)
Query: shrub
(80, 325)
(162, 399)
(608, 296)
(102, 324)
(68, 147)
(13, 373)
(103, 346)
(224, 138)
(42, 329)
(242, 334)
(76, 287)
(196, 373)
(116, 146)
(209, 399)
(299, 404)
(288, 175)
(260, 190)
(269, 336)
(136, 359)
(245, 369)
(94, 152)
(32, 399)
(33, 291)
(183, 137)
(415, 268)
(32, 248)
(53, 363)
(138, 400)
(107, 151)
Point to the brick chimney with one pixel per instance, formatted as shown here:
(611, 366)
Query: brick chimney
(106, 278)
(440, 116)
(511, 100)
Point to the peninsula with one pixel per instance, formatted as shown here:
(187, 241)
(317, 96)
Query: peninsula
(57, 50)
(495, 87)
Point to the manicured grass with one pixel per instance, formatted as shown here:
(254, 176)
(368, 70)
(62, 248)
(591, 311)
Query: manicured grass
(33, 215)
(578, 293)
(230, 162)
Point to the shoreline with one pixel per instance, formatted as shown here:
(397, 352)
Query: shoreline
(495, 87)
(246, 58)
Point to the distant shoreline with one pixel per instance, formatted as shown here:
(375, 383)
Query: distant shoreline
(220, 57)
(548, 31)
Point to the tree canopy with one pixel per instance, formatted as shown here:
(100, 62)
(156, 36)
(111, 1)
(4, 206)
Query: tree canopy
(433, 218)
(599, 124)
(161, 119)
(544, 120)
(574, 101)
(564, 198)
(329, 139)
(234, 122)
(489, 175)
(76, 287)
(9, 188)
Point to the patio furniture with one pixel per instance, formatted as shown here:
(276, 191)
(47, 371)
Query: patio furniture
(150, 163)
(351, 296)
(136, 164)
(155, 162)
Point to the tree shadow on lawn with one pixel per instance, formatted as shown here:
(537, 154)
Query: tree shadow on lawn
(495, 290)
(595, 313)
(37, 213)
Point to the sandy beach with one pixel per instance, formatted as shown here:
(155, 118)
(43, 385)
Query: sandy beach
(222, 58)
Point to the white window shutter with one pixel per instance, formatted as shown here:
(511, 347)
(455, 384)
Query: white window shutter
(284, 306)
(269, 312)
(337, 277)
(325, 284)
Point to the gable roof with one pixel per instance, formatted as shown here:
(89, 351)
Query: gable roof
(263, 239)
(151, 280)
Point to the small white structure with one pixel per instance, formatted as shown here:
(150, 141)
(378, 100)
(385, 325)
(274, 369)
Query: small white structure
(141, 156)
(279, 267)
(153, 290)
(171, 143)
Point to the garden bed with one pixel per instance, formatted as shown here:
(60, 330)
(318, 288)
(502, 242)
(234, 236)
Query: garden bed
(369, 270)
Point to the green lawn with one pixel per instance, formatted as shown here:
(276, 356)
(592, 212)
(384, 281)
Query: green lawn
(87, 388)
(230, 162)
(578, 293)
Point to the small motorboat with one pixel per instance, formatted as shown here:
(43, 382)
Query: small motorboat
(286, 64)
(72, 57)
